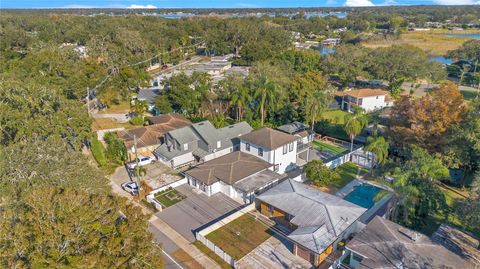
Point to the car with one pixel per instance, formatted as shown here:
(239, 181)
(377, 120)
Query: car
(142, 161)
(130, 187)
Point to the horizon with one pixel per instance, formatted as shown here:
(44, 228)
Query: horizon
(217, 4)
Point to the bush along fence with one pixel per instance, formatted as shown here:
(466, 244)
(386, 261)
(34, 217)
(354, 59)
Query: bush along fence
(151, 196)
(201, 234)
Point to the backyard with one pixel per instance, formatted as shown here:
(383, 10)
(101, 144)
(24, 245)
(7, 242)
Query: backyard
(347, 171)
(240, 236)
(319, 145)
(169, 197)
(332, 124)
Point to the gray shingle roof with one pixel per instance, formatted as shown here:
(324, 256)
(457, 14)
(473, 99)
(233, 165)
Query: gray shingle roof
(292, 128)
(148, 95)
(384, 244)
(320, 217)
(268, 138)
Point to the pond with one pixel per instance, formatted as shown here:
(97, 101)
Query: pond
(363, 195)
(474, 36)
(440, 59)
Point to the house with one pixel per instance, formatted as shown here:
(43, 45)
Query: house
(368, 99)
(459, 242)
(304, 135)
(384, 244)
(199, 143)
(148, 95)
(331, 42)
(238, 175)
(316, 221)
(151, 136)
(275, 147)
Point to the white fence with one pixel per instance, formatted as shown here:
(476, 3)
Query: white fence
(151, 196)
(341, 159)
(101, 133)
(201, 235)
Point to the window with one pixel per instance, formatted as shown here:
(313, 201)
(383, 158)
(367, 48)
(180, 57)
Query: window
(270, 208)
(357, 257)
(260, 152)
(377, 97)
(185, 146)
(247, 147)
(290, 147)
(284, 149)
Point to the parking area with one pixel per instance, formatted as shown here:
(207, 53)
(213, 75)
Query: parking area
(196, 210)
(274, 253)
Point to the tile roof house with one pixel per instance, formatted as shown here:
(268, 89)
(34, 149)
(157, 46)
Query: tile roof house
(199, 143)
(238, 175)
(150, 137)
(318, 221)
(384, 244)
(273, 146)
(368, 99)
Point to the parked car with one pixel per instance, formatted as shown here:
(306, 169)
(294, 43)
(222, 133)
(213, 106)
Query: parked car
(142, 161)
(130, 187)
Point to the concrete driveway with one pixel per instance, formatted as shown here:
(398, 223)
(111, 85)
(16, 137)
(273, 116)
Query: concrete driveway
(274, 253)
(196, 210)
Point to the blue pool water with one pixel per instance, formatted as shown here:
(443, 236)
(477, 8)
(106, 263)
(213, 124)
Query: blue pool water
(363, 195)
(440, 59)
(474, 36)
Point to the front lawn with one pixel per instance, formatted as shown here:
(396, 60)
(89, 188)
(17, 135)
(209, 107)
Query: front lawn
(329, 147)
(169, 197)
(240, 236)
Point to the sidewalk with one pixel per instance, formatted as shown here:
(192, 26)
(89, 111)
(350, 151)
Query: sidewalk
(199, 256)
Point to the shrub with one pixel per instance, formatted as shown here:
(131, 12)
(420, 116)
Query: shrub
(320, 174)
(139, 120)
(98, 152)
(116, 151)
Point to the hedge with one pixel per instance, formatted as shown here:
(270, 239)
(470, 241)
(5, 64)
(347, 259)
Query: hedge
(98, 152)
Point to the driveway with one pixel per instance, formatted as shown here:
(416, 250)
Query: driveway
(196, 210)
(274, 253)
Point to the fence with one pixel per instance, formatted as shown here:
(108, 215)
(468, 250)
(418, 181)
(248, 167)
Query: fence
(151, 196)
(343, 158)
(200, 235)
(101, 133)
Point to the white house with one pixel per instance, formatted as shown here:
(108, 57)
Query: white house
(368, 99)
(275, 147)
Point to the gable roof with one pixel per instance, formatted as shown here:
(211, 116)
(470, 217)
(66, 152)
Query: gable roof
(384, 244)
(229, 168)
(172, 119)
(150, 135)
(148, 95)
(320, 217)
(362, 93)
(268, 138)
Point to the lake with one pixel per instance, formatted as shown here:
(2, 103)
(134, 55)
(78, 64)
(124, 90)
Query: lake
(474, 36)
(440, 59)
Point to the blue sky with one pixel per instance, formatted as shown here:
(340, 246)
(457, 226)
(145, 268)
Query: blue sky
(217, 3)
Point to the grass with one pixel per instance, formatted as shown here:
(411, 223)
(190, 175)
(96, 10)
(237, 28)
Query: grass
(240, 236)
(469, 95)
(433, 42)
(223, 264)
(348, 172)
(181, 256)
(329, 147)
(332, 124)
(106, 123)
(335, 116)
(122, 107)
(169, 197)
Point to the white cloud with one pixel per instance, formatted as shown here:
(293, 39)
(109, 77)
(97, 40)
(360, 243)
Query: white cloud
(457, 2)
(133, 6)
(359, 3)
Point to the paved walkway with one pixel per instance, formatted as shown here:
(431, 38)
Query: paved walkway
(181, 242)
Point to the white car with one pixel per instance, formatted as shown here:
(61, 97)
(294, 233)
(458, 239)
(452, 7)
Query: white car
(142, 161)
(130, 187)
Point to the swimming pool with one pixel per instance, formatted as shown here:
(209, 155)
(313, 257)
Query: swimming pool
(363, 195)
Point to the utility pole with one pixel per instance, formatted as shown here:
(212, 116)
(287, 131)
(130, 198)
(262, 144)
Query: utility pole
(136, 161)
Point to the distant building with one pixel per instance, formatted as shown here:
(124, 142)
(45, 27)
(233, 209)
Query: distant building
(368, 99)
(331, 42)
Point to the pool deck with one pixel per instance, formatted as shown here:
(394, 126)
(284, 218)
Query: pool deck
(358, 181)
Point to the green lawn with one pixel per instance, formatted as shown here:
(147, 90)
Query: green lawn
(326, 146)
(335, 116)
(169, 197)
(223, 264)
(469, 95)
(240, 236)
(332, 124)
(348, 171)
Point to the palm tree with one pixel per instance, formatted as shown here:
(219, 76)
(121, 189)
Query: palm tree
(267, 94)
(316, 105)
(405, 198)
(379, 147)
(240, 97)
(139, 107)
(354, 124)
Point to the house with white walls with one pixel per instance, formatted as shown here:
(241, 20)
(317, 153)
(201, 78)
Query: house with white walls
(239, 175)
(273, 146)
(368, 99)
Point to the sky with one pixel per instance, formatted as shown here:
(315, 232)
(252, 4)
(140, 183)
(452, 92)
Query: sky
(219, 3)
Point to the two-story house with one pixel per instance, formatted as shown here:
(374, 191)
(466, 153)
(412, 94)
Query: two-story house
(304, 134)
(199, 143)
(368, 99)
(275, 147)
